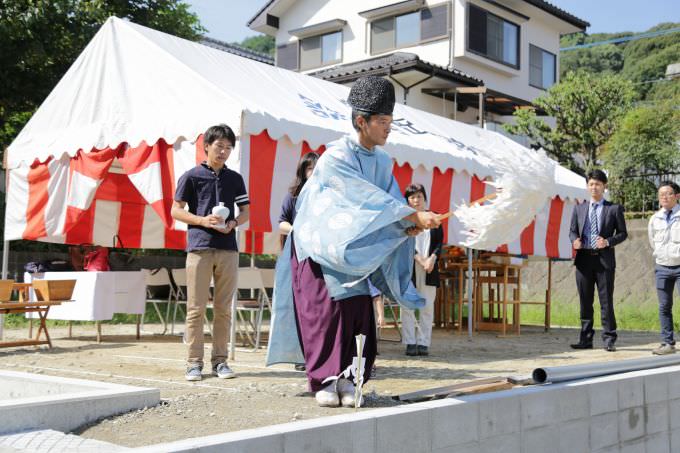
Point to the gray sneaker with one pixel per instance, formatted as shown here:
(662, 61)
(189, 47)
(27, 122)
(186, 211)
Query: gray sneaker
(222, 371)
(193, 373)
(664, 349)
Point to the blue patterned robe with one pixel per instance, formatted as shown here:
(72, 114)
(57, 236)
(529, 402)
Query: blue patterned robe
(350, 221)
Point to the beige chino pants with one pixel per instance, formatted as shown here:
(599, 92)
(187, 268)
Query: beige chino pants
(201, 266)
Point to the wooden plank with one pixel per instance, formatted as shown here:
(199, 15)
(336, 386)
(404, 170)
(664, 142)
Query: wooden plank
(11, 344)
(482, 388)
(33, 305)
(443, 392)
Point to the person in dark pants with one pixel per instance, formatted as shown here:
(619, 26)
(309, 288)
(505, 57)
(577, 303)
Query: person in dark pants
(304, 170)
(664, 237)
(596, 228)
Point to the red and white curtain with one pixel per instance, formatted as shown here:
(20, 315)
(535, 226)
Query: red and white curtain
(128, 192)
(269, 167)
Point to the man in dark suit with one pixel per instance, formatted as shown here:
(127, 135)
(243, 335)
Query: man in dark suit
(596, 228)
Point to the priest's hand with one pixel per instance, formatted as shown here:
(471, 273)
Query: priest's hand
(424, 219)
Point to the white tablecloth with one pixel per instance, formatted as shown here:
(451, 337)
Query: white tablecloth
(98, 295)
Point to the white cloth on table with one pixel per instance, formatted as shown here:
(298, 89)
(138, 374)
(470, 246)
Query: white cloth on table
(97, 295)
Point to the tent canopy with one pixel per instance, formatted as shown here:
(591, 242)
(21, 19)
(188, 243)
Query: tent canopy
(144, 97)
(134, 84)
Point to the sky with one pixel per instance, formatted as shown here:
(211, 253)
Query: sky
(226, 19)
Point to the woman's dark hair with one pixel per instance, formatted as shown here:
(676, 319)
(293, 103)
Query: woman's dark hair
(597, 175)
(306, 161)
(217, 132)
(413, 189)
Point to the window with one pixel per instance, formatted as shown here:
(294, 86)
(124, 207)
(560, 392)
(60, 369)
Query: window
(287, 56)
(542, 68)
(321, 50)
(409, 29)
(493, 37)
(331, 48)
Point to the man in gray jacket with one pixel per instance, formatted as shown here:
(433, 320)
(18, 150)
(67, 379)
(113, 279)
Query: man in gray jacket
(664, 237)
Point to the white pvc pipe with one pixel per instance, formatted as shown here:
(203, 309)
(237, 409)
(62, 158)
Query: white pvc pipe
(574, 372)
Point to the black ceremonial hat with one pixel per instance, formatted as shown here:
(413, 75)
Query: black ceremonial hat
(372, 94)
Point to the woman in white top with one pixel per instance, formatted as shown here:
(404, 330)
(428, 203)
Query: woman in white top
(425, 278)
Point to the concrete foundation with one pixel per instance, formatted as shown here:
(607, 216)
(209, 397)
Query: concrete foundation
(631, 412)
(30, 401)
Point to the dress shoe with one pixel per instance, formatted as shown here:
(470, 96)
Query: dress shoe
(411, 350)
(610, 347)
(422, 350)
(582, 346)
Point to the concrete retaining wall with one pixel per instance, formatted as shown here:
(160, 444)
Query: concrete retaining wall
(631, 412)
(64, 404)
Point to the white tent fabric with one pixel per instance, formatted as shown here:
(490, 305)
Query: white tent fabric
(134, 86)
(133, 83)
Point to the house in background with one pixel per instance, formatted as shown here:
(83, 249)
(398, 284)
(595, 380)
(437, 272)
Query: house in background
(237, 50)
(427, 48)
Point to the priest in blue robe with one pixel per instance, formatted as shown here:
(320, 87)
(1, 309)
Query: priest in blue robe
(352, 224)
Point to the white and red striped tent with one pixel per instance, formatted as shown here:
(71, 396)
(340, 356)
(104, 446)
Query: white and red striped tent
(102, 155)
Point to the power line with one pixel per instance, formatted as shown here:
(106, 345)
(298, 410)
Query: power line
(650, 34)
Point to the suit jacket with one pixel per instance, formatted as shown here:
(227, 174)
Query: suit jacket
(436, 243)
(612, 228)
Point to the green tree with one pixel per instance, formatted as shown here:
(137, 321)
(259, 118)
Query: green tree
(642, 61)
(586, 109)
(261, 43)
(41, 39)
(606, 58)
(647, 142)
(665, 90)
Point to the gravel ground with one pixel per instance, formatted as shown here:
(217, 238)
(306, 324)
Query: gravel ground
(261, 396)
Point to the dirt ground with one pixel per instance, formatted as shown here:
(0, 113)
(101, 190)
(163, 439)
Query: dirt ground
(261, 396)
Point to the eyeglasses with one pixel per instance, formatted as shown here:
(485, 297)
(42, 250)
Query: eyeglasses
(666, 195)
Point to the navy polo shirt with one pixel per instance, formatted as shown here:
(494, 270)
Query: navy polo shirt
(202, 189)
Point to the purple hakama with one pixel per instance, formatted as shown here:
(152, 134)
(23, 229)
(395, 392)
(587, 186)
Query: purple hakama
(326, 327)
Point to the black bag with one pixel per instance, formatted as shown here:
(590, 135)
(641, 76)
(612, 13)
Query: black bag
(122, 260)
(59, 266)
(35, 267)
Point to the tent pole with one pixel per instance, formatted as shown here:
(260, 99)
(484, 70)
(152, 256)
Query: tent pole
(252, 250)
(5, 261)
(232, 326)
(469, 294)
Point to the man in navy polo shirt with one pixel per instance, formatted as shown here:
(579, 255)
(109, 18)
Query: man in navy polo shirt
(211, 246)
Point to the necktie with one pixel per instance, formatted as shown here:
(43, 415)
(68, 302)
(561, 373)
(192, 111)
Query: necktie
(594, 228)
(668, 216)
